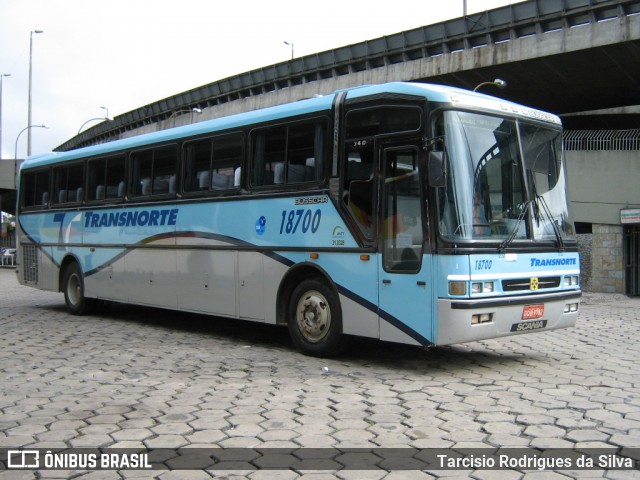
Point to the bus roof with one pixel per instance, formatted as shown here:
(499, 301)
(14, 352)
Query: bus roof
(432, 92)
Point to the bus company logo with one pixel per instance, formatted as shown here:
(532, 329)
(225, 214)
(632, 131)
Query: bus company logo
(261, 225)
(338, 232)
(553, 262)
(135, 218)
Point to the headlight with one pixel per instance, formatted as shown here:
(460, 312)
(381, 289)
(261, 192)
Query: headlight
(482, 287)
(571, 280)
(481, 318)
(570, 308)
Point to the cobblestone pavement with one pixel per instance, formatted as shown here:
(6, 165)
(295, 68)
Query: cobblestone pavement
(142, 377)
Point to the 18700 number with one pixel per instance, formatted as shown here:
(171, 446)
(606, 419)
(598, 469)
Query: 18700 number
(304, 219)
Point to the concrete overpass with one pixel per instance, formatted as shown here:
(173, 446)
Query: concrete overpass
(564, 56)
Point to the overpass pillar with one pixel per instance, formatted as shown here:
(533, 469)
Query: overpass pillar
(8, 185)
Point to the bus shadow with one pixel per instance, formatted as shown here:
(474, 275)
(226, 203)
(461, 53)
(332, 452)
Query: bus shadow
(259, 334)
(372, 352)
(361, 353)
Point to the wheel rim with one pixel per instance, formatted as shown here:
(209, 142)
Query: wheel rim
(313, 316)
(74, 289)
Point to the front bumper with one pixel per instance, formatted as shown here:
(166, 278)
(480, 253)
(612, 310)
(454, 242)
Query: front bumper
(507, 316)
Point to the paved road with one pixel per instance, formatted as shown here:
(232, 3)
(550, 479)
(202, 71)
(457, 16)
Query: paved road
(133, 377)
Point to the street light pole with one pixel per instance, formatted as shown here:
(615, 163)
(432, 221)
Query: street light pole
(178, 112)
(2, 75)
(498, 82)
(291, 45)
(30, 85)
(106, 118)
(15, 153)
(25, 129)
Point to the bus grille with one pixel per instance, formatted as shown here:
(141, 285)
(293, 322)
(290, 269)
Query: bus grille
(30, 263)
(518, 284)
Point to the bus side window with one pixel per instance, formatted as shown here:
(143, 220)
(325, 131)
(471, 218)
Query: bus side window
(142, 167)
(210, 164)
(227, 157)
(115, 177)
(402, 224)
(305, 143)
(36, 189)
(154, 170)
(269, 152)
(358, 188)
(68, 182)
(105, 179)
(96, 189)
(289, 154)
(165, 163)
(197, 165)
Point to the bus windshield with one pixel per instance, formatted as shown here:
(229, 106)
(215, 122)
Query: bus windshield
(505, 181)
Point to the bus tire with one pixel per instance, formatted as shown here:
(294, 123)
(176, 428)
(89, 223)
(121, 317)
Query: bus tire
(315, 319)
(73, 289)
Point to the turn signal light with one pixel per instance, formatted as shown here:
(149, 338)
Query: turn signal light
(457, 288)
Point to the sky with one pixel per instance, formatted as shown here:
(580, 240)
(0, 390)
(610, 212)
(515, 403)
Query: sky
(123, 54)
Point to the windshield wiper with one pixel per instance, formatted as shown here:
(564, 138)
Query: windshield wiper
(547, 211)
(507, 242)
(539, 200)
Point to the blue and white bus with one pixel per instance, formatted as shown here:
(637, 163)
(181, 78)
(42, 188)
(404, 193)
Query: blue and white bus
(410, 213)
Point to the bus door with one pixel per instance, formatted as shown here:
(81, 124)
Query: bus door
(404, 272)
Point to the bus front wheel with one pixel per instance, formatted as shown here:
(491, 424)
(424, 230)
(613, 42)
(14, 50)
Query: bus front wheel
(73, 289)
(315, 320)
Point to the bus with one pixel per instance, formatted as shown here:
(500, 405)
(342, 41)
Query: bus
(406, 212)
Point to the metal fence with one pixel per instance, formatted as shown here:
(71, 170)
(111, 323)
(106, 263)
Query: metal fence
(602, 139)
(8, 240)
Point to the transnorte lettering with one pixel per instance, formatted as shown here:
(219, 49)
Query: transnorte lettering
(552, 262)
(135, 218)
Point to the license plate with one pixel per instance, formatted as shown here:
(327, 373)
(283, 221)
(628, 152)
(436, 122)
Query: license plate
(531, 312)
(528, 326)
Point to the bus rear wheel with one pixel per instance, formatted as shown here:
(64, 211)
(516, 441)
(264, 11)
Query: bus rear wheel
(73, 289)
(315, 320)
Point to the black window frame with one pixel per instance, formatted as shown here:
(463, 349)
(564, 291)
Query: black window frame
(353, 168)
(372, 109)
(192, 185)
(55, 199)
(24, 190)
(135, 180)
(91, 187)
(321, 148)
